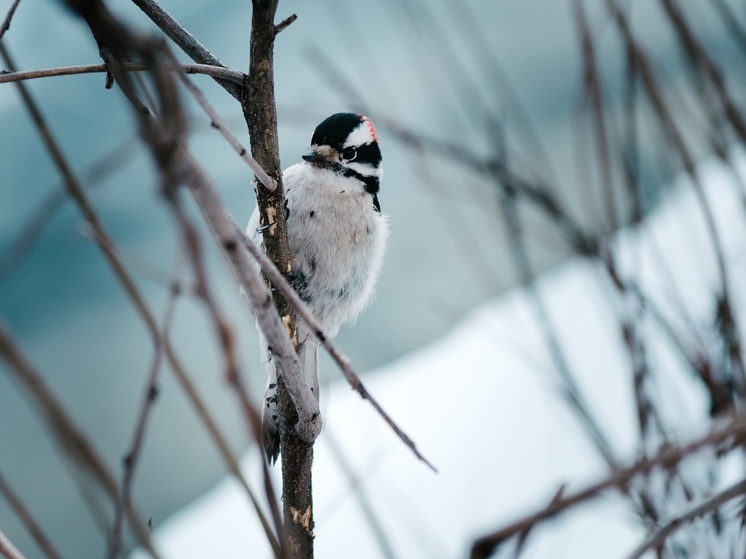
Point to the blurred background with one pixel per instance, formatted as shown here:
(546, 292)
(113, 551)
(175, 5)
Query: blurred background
(465, 96)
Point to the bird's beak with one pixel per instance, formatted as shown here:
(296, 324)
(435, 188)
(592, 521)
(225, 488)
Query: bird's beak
(312, 157)
(322, 156)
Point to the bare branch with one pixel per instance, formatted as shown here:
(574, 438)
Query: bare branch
(260, 111)
(594, 97)
(214, 71)
(357, 486)
(66, 433)
(658, 537)
(133, 454)
(8, 550)
(285, 23)
(217, 123)
(22, 243)
(225, 335)
(698, 57)
(165, 139)
(517, 242)
(258, 294)
(24, 515)
(281, 284)
(177, 165)
(6, 22)
(185, 41)
(667, 458)
(105, 243)
(674, 136)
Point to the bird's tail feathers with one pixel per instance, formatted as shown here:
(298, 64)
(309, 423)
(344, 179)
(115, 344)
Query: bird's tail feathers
(309, 359)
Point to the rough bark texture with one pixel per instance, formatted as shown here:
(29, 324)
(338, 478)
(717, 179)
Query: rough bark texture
(261, 116)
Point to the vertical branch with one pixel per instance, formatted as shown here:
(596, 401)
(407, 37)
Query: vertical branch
(261, 117)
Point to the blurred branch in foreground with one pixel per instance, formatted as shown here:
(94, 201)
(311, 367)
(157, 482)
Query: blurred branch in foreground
(729, 436)
(653, 117)
(27, 519)
(71, 439)
(8, 550)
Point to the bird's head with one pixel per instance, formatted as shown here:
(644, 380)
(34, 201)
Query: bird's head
(347, 143)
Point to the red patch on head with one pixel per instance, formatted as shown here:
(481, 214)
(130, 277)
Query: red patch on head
(371, 128)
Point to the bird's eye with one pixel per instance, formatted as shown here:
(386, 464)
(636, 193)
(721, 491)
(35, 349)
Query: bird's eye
(349, 154)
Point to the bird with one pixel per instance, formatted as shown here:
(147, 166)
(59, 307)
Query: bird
(337, 236)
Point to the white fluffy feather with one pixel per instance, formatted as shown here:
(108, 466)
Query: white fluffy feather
(338, 241)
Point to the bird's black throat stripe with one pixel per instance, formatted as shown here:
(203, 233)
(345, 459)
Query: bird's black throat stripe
(372, 186)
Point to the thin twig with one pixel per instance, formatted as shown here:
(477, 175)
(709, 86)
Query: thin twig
(27, 519)
(519, 254)
(131, 458)
(667, 458)
(8, 550)
(674, 137)
(66, 433)
(41, 216)
(533, 192)
(698, 57)
(215, 71)
(217, 123)
(227, 339)
(658, 537)
(186, 42)
(9, 16)
(105, 243)
(356, 484)
(463, 14)
(285, 23)
(594, 96)
(730, 20)
(281, 284)
(6, 22)
(76, 191)
(165, 138)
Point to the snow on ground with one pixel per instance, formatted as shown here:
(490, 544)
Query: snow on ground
(482, 405)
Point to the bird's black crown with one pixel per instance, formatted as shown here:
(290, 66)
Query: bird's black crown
(335, 130)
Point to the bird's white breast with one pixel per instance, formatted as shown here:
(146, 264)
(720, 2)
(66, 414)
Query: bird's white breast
(337, 239)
